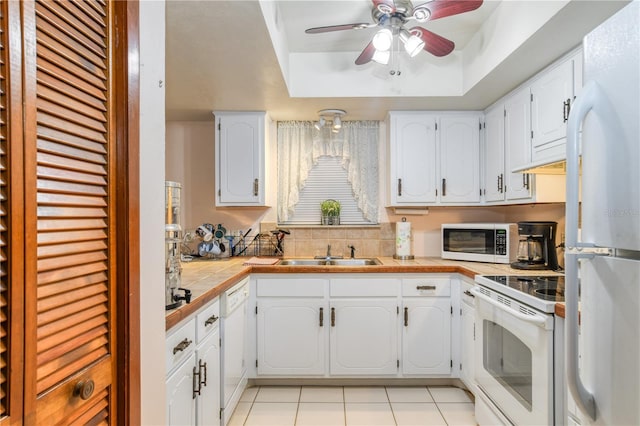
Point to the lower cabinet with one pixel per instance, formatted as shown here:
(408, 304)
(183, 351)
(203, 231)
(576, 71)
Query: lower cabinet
(364, 337)
(426, 326)
(291, 337)
(468, 335)
(354, 325)
(193, 370)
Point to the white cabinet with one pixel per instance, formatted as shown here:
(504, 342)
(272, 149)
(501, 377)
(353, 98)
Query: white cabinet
(193, 370)
(434, 158)
(517, 140)
(240, 158)
(363, 326)
(426, 326)
(460, 158)
(468, 335)
(292, 326)
(552, 94)
(364, 337)
(494, 161)
(412, 158)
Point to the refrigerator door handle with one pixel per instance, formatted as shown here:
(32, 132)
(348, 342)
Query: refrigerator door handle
(585, 102)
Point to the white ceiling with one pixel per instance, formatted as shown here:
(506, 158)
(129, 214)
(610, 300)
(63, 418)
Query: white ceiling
(219, 56)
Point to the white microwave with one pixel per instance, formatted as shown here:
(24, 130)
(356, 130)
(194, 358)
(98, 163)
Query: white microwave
(480, 242)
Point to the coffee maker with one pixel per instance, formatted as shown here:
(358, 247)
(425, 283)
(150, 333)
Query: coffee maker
(536, 246)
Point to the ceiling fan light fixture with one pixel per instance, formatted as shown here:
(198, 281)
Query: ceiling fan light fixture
(381, 57)
(412, 43)
(383, 39)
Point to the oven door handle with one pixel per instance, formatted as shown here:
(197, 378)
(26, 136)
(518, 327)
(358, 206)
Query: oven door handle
(539, 320)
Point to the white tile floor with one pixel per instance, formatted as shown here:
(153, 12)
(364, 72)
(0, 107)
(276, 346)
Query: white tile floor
(352, 406)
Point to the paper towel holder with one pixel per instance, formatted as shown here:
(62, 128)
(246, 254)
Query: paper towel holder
(403, 256)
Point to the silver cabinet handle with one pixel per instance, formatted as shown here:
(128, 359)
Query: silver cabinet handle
(425, 287)
(210, 320)
(321, 317)
(444, 187)
(256, 187)
(202, 365)
(182, 346)
(399, 187)
(197, 384)
(468, 293)
(406, 317)
(333, 317)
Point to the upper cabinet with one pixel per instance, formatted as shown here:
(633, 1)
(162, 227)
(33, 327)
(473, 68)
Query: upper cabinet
(517, 140)
(494, 165)
(412, 159)
(434, 158)
(240, 158)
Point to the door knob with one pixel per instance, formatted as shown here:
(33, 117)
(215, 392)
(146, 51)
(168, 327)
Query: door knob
(84, 389)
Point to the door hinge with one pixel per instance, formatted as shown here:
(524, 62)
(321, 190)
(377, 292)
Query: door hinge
(532, 134)
(479, 126)
(219, 128)
(220, 342)
(219, 192)
(460, 366)
(256, 363)
(221, 409)
(460, 311)
(436, 125)
(451, 363)
(398, 363)
(256, 309)
(474, 331)
(451, 310)
(397, 310)
(505, 112)
(532, 97)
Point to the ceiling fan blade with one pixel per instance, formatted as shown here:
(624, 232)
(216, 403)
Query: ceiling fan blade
(318, 30)
(443, 8)
(433, 43)
(366, 55)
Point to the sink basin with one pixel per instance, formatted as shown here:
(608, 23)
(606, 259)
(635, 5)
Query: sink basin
(354, 262)
(332, 262)
(302, 262)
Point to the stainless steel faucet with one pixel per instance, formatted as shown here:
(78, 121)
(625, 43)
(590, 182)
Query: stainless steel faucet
(328, 251)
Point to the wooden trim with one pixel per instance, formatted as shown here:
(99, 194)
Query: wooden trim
(30, 210)
(16, 217)
(128, 214)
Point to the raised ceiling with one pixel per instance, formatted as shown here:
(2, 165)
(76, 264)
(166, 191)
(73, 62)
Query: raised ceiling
(251, 55)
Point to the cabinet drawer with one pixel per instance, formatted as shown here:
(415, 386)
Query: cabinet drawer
(364, 287)
(421, 287)
(207, 320)
(273, 287)
(180, 344)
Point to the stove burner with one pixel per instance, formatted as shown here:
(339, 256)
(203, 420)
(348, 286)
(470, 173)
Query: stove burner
(550, 294)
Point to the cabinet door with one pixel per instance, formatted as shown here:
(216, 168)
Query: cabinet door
(459, 159)
(517, 141)
(292, 336)
(181, 404)
(552, 94)
(468, 345)
(240, 158)
(364, 337)
(208, 402)
(494, 154)
(413, 159)
(426, 336)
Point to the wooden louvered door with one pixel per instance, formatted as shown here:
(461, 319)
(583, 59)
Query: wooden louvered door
(70, 203)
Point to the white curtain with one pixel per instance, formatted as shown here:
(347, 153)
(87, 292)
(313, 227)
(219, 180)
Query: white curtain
(299, 146)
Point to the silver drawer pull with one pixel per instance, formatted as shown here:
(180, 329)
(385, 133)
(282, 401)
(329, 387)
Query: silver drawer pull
(468, 293)
(210, 320)
(182, 346)
(426, 287)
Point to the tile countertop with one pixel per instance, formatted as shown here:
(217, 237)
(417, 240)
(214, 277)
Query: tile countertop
(209, 278)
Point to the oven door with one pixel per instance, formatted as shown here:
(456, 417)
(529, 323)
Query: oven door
(514, 361)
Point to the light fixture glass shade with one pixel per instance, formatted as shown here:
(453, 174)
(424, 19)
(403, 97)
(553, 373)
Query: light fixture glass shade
(383, 39)
(337, 123)
(412, 43)
(381, 57)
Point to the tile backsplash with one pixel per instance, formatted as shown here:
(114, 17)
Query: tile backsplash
(313, 241)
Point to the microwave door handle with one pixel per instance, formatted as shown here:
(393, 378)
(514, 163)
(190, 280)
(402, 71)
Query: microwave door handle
(588, 99)
(537, 320)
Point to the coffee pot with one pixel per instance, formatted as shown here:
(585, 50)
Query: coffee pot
(536, 246)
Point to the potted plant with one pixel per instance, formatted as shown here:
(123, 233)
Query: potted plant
(330, 212)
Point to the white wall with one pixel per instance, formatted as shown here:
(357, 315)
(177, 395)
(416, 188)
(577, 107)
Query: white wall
(152, 313)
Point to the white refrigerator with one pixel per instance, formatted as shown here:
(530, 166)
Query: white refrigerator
(603, 263)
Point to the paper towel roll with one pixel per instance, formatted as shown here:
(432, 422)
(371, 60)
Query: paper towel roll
(403, 238)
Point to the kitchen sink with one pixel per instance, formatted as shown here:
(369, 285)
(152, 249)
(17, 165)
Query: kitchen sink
(331, 262)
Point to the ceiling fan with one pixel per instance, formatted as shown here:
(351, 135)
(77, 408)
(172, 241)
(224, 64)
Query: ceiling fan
(392, 15)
